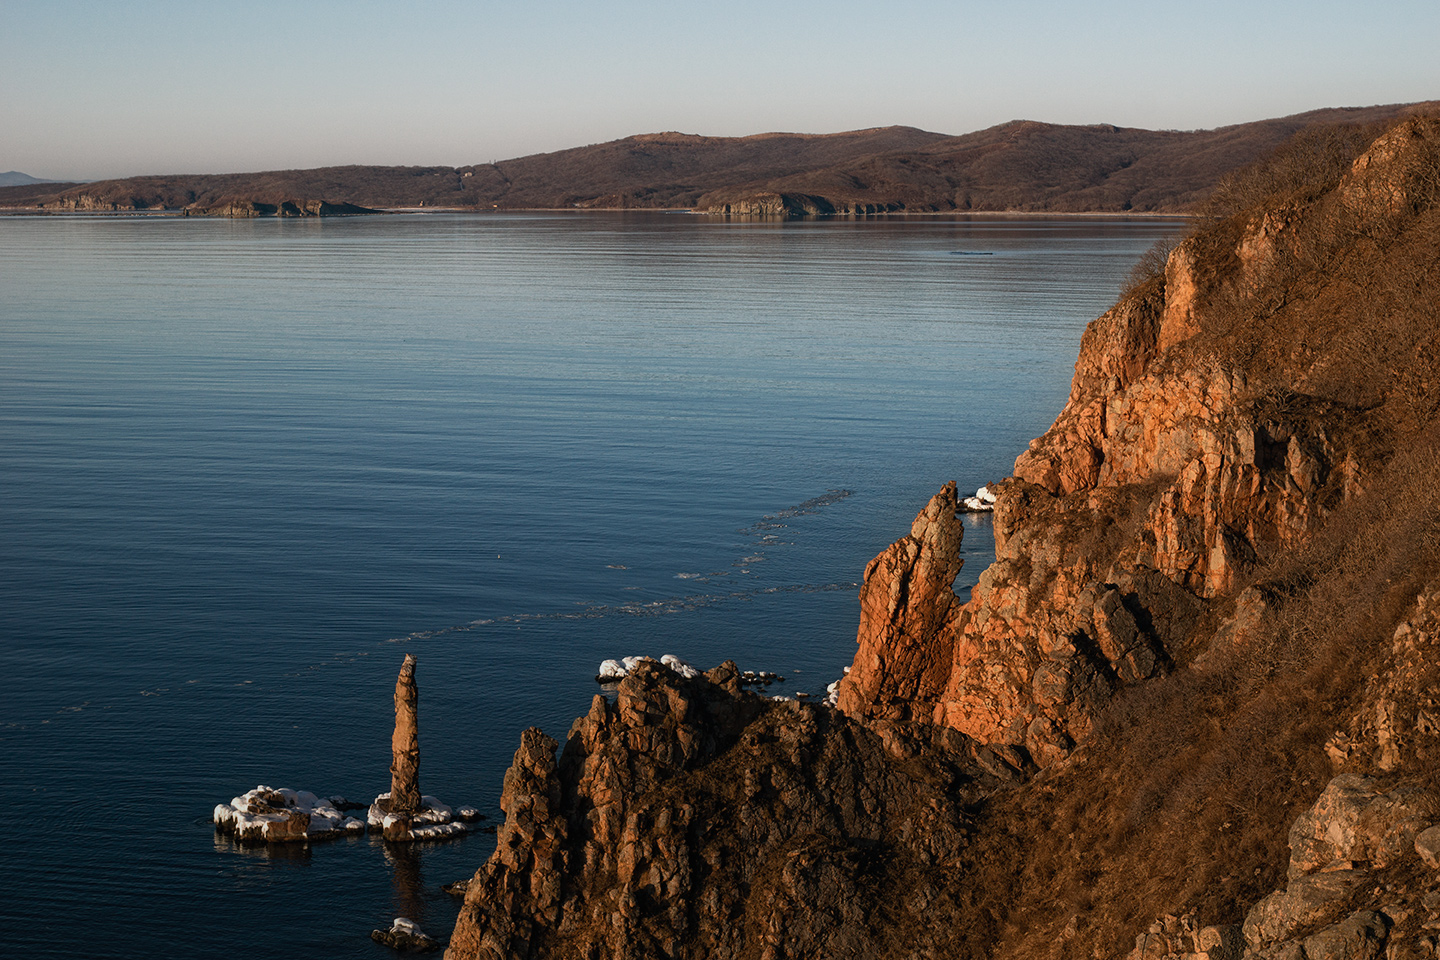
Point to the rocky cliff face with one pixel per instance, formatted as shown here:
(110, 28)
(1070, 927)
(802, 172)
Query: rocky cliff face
(1211, 617)
(1170, 476)
(236, 208)
(791, 205)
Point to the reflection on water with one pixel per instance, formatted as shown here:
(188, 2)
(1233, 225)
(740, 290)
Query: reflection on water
(407, 880)
(282, 852)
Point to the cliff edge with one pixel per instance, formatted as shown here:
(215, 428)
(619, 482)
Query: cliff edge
(1189, 711)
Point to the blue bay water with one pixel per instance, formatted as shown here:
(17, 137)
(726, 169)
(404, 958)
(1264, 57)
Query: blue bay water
(246, 465)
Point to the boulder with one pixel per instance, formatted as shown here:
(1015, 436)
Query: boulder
(406, 937)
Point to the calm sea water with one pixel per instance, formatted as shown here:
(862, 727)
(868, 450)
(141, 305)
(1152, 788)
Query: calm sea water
(246, 466)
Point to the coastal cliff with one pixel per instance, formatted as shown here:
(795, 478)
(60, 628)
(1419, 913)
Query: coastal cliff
(1190, 710)
(83, 200)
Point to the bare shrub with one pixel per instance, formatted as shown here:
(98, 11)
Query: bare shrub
(1309, 162)
(1150, 268)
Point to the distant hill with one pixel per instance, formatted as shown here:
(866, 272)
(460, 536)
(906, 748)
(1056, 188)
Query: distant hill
(14, 178)
(664, 170)
(1018, 166)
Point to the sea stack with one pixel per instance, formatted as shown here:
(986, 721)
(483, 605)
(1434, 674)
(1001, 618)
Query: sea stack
(404, 813)
(405, 744)
(404, 799)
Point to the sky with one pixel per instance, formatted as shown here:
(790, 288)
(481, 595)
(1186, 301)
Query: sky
(126, 87)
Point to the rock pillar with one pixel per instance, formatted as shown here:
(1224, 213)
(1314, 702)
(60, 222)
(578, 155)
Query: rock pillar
(905, 602)
(405, 744)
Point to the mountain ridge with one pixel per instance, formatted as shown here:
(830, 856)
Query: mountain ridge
(1018, 166)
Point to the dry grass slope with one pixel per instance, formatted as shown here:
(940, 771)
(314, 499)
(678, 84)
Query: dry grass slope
(1183, 798)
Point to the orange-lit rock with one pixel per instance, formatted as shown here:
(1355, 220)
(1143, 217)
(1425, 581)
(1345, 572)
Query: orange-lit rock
(405, 743)
(905, 603)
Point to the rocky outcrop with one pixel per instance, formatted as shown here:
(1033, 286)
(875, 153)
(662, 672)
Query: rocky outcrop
(405, 743)
(82, 201)
(405, 936)
(268, 815)
(246, 208)
(1363, 873)
(905, 604)
(690, 812)
(1353, 889)
(1172, 938)
(233, 207)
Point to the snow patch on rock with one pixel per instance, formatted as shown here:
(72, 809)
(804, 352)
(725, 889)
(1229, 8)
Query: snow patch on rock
(982, 502)
(433, 821)
(268, 815)
(613, 671)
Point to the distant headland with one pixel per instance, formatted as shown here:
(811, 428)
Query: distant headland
(1017, 167)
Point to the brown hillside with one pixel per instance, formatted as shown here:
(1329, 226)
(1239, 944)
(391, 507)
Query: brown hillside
(1018, 166)
(1040, 167)
(31, 194)
(655, 170)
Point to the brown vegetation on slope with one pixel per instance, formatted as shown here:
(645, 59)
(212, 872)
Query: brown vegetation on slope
(654, 170)
(1040, 167)
(1310, 306)
(1017, 166)
(31, 194)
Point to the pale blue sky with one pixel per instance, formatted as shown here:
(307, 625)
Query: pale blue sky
(97, 89)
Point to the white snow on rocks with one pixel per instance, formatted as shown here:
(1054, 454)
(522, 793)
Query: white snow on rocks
(679, 666)
(433, 821)
(406, 936)
(982, 502)
(276, 816)
(613, 671)
(268, 815)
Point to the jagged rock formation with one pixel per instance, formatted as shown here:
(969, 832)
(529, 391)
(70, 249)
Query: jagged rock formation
(905, 603)
(1213, 625)
(1191, 471)
(690, 812)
